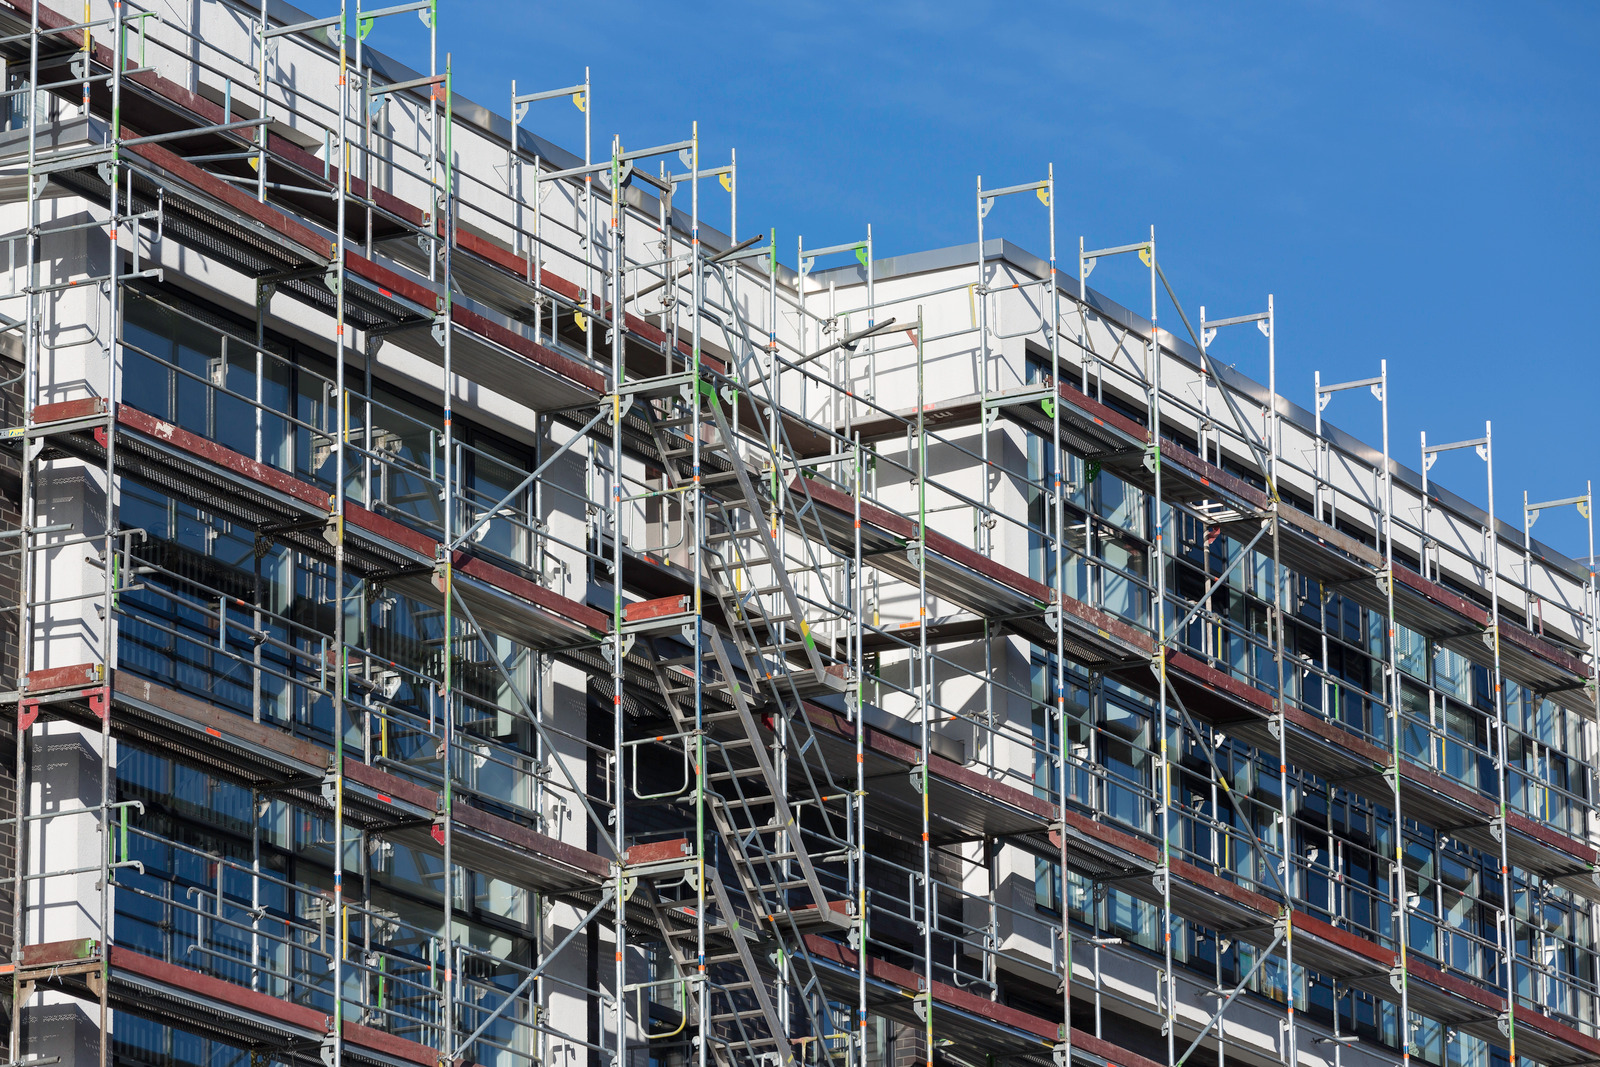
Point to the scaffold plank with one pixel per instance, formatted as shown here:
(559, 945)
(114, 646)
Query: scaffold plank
(983, 1025)
(970, 579)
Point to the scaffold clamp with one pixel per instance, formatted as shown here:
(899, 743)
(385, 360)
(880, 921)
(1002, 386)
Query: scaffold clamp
(1061, 1054)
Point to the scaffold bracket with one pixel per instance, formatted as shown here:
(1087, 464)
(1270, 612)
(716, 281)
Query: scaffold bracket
(608, 649)
(914, 553)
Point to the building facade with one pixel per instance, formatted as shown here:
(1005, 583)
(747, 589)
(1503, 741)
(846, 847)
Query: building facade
(472, 603)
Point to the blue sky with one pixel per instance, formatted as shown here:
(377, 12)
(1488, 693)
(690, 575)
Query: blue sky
(1410, 180)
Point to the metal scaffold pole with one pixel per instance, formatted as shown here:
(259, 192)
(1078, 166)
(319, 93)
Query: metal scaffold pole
(858, 591)
(696, 565)
(1530, 515)
(448, 758)
(341, 431)
(924, 698)
(1502, 760)
(108, 552)
(1484, 447)
(26, 534)
(1059, 522)
(1164, 759)
(1399, 977)
(1285, 878)
(618, 644)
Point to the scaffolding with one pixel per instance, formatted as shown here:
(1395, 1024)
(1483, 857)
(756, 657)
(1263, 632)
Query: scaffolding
(497, 617)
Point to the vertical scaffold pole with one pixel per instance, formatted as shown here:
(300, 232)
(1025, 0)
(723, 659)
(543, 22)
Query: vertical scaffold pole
(261, 83)
(1502, 754)
(696, 566)
(1594, 600)
(924, 698)
(1265, 321)
(109, 544)
(1280, 696)
(1059, 671)
(858, 592)
(1391, 689)
(619, 1016)
(29, 512)
(1159, 607)
(341, 436)
(981, 299)
(432, 172)
(587, 249)
(447, 563)
(1396, 706)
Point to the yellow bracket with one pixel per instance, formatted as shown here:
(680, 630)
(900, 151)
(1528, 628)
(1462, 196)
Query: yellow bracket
(1144, 255)
(580, 101)
(1043, 194)
(726, 180)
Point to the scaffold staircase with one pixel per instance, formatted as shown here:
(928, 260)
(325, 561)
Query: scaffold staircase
(765, 659)
(742, 1023)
